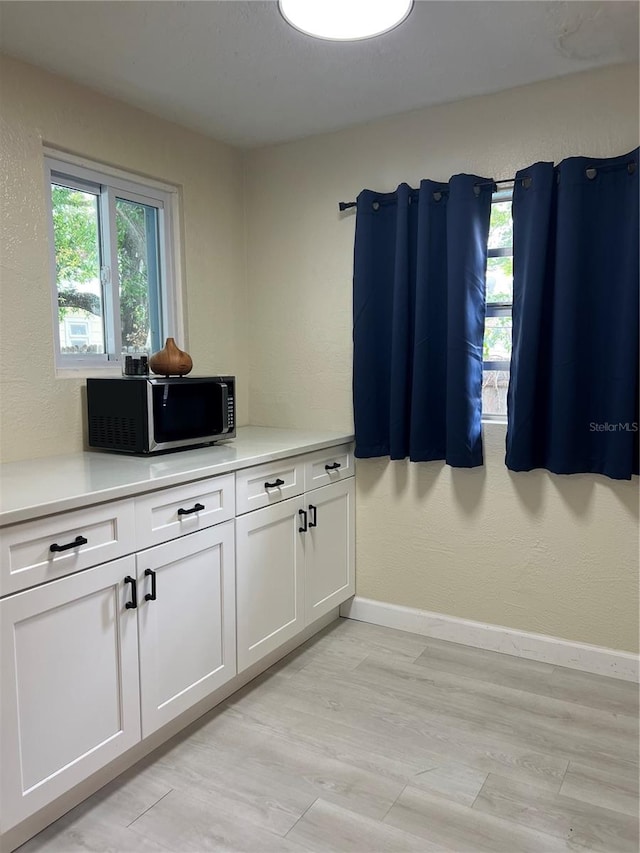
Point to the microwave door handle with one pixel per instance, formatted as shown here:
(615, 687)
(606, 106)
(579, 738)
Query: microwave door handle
(225, 406)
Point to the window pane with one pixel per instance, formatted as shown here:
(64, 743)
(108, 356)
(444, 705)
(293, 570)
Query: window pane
(495, 384)
(138, 268)
(76, 228)
(497, 339)
(500, 225)
(499, 280)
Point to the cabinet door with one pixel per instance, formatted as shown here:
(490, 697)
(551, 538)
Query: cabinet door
(330, 548)
(70, 695)
(187, 632)
(269, 579)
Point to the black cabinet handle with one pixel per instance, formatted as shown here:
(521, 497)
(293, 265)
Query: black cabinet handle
(131, 605)
(333, 467)
(151, 596)
(193, 509)
(303, 513)
(79, 540)
(275, 485)
(313, 511)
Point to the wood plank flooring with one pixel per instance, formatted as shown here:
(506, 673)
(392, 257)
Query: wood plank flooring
(371, 740)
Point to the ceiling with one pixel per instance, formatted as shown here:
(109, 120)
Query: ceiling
(236, 71)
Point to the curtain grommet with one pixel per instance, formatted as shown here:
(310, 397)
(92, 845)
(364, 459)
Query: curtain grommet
(476, 190)
(631, 167)
(375, 205)
(437, 196)
(526, 182)
(591, 172)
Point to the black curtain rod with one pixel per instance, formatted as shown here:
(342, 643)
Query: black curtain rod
(345, 205)
(590, 172)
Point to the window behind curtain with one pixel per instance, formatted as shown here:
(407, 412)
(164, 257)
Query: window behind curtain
(498, 325)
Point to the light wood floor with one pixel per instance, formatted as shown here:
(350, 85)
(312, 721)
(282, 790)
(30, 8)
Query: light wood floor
(368, 739)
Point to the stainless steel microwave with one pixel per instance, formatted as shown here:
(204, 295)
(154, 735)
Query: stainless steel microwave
(142, 414)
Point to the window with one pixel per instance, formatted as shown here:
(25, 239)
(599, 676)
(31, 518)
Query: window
(113, 283)
(498, 324)
(76, 334)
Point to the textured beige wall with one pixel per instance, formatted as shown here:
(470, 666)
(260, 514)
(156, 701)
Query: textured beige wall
(538, 552)
(39, 413)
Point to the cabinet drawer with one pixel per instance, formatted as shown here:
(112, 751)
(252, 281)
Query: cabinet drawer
(102, 533)
(268, 484)
(169, 513)
(328, 466)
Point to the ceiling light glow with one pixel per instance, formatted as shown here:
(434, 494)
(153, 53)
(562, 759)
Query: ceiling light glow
(344, 20)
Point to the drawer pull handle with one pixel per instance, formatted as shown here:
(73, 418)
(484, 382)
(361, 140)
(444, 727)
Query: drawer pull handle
(151, 596)
(131, 605)
(275, 485)
(333, 467)
(303, 513)
(313, 511)
(195, 508)
(79, 540)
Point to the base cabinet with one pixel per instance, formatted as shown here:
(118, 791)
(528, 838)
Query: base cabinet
(70, 694)
(186, 622)
(96, 660)
(269, 579)
(187, 596)
(295, 561)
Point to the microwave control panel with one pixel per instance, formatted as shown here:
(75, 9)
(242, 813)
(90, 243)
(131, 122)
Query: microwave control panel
(230, 409)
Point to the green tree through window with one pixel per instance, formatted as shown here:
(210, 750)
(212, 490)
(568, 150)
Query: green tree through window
(498, 322)
(112, 242)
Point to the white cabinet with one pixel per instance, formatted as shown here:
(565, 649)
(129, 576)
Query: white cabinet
(186, 622)
(329, 548)
(96, 660)
(96, 657)
(269, 579)
(295, 560)
(70, 696)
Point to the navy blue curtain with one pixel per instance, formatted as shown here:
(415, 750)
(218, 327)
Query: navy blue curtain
(573, 392)
(418, 320)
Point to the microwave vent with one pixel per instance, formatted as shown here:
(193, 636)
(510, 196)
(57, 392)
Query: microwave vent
(111, 431)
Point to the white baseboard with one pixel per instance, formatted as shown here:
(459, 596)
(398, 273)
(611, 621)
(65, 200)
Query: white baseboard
(540, 647)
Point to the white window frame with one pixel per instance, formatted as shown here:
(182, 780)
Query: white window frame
(111, 183)
(500, 309)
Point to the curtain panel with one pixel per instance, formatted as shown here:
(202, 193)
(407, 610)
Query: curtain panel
(573, 392)
(418, 320)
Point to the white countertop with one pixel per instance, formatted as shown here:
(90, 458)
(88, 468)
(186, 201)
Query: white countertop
(38, 487)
